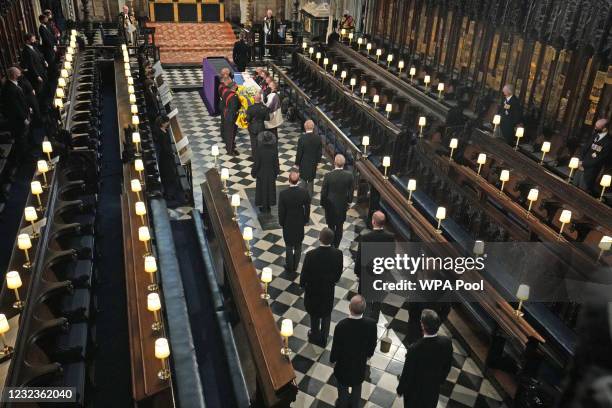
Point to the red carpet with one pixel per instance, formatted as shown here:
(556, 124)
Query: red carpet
(191, 42)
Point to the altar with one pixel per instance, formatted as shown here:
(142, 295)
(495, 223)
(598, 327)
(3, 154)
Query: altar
(315, 19)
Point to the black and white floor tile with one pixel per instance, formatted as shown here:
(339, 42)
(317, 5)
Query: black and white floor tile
(466, 386)
(183, 77)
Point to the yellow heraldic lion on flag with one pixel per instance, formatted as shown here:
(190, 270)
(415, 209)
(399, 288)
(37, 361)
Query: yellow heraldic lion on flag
(246, 96)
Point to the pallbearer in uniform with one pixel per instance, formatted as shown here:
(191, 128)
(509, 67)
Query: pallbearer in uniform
(511, 113)
(231, 105)
(596, 154)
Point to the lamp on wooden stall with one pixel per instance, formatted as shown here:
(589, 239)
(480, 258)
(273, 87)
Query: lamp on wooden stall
(4, 328)
(304, 46)
(31, 216)
(59, 93)
(247, 235)
(411, 189)
(365, 142)
(144, 236)
(386, 162)
(134, 109)
(350, 37)
(266, 278)
(318, 56)
(24, 243)
(388, 109)
(214, 151)
(13, 282)
(481, 160)
(412, 74)
(235, 202)
(522, 294)
(378, 54)
(564, 218)
(61, 82)
(325, 63)
(47, 149)
(132, 99)
(64, 73)
(68, 66)
(375, 100)
(43, 168)
(359, 42)
(496, 122)
(139, 167)
(136, 187)
(440, 90)
(70, 50)
(130, 87)
(363, 90)
(400, 66)
(604, 183)
(532, 197)
(162, 352)
(544, 149)
(389, 60)
(37, 190)
(128, 73)
(353, 83)
(519, 133)
(141, 210)
(368, 47)
(343, 33)
(422, 123)
(573, 164)
(286, 331)
(503, 177)
(342, 76)
(123, 47)
(453, 145)
(478, 249)
(154, 305)
(136, 141)
(135, 121)
(310, 52)
(58, 103)
(224, 178)
(150, 267)
(604, 245)
(334, 68)
(440, 216)
(68, 57)
(426, 81)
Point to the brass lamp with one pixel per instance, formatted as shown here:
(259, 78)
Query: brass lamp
(135, 120)
(134, 109)
(368, 48)
(426, 81)
(235, 202)
(378, 54)
(386, 162)
(482, 159)
(13, 281)
(286, 331)
(130, 88)
(504, 176)
(353, 82)
(24, 243)
(388, 109)
(150, 267)
(136, 140)
(365, 142)
(564, 218)
(440, 216)
(325, 63)
(4, 328)
(453, 145)
(411, 189)
(304, 46)
(266, 278)
(132, 99)
(47, 148)
(532, 197)
(58, 103)
(412, 74)
(214, 151)
(318, 56)
(519, 133)
(141, 210)
(247, 235)
(136, 187)
(162, 352)
(363, 89)
(37, 190)
(59, 93)
(130, 81)
(154, 305)
(350, 37)
(310, 52)
(544, 149)
(139, 167)
(43, 168)
(334, 68)
(224, 178)
(400, 66)
(61, 82)
(496, 122)
(359, 42)
(522, 294)
(440, 90)
(30, 215)
(573, 164)
(422, 123)
(604, 245)
(604, 183)
(375, 100)
(389, 60)
(342, 76)
(144, 236)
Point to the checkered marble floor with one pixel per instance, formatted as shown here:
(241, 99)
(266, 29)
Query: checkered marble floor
(466, 386)
(183, 76)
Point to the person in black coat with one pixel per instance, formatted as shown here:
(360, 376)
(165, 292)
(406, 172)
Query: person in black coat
(256, 114)
(596, 154)
(354, 342)
(336, 195)
(511, 114)
(47, 39)
(293, 216)
(16, 110)
(309, 151)
(241, 54)
(33, 64)
(427, 364)
(321, 271)
(30, 96)
(231, 105)
(265, 171)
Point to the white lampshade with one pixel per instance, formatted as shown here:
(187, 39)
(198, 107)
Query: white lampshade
(400, 64)
(318, 55)
(224, 173)
(360, 41)
(440, 86)
(42, 166)
(605, 243)
(134, 109)
(365, 141)
(23, 241)
(520, 132)
(427, 79)
(388, 107)
(304, 45)
(369, 46)
(132, 99)
(411, 185)
(4, 324)
(389, 57)
(140, 208)
(59, 93)
(379, 52)
(214, 150)
(326, 61)
(162, 350)
(533, 194)
(126, 66)
(136, 186)
(266, 274)
(67, 65)
(36, 187)
(61, 82)
(153, 302)
(343, 32)
(334, 67)
(605, 180)
(135, 120)
(413, 71)
(386, 161)
(235, 200)
(350, 35)
(138, 165)
(135, 137)
(482, 158)
(150, 264)
(496, 119)
(422, 121)
(247, 233)
(545, 147)
(310, 50)
(441, 213)
(565, 217)
(574, 163)
(123, 47)
(504, 175)
(46, 147)
(286, 328)
(70, 50)
(13, 280)
(343, 74)
(364, 89)
(353, 81)
(58, 103)
(143, 234)
(523, 292)
(130, 82)
(453, 143)
(64, 73)
(376, 98)
(478, 248)
(29, 214)
(68, 57)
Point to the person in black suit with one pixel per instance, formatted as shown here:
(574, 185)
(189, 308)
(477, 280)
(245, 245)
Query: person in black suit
(596, 154)
(511, 114)
(265, 171)
(336, 195)
(256, 114)
(309, 151)
(354, 342)
(428, 362)
(241, 53)
(47, 39)
(321, 271)
(34, 65)
(293, 215)
(382, 244)
(30, 96)
(16, 109)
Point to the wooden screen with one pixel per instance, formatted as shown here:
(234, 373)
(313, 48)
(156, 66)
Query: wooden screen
(16, 18)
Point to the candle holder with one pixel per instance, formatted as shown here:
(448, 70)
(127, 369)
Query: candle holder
(247, 235)
(365, 142)
(162, 352)
(31, 216)
(154, 305)
(144, 237)
(412, 73)
(224, 178)
(422, 123)
(37, 190)
(286, 332)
